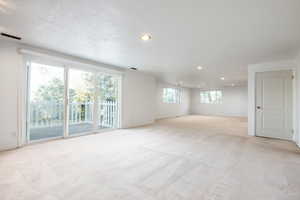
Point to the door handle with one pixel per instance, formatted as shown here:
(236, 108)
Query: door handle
(258, 107)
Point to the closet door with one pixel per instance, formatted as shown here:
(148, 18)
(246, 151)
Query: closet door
(274, 104)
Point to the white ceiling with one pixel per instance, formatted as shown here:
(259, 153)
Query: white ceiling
(223, 36)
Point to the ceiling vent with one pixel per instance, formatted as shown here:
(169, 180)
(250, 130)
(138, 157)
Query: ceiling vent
(133, 68)
(11, 36)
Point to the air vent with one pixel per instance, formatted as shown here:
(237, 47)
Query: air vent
(11, 36)
(133, 68)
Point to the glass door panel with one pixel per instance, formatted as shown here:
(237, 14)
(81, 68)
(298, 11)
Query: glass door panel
(107, 95)
(81, 101)
(45, 114)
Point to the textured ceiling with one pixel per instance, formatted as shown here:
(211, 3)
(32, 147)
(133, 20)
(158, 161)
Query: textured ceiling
(223, 36)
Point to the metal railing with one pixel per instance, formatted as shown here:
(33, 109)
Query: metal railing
(51, 114)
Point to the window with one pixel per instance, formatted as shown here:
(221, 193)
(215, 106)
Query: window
(211, 97)
(172, 95)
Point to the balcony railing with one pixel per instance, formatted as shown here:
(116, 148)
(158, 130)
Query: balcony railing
(51, 114)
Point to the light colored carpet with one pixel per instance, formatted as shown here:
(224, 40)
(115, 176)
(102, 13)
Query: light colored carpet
(189, 158)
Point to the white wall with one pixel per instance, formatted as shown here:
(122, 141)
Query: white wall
(234, 103)
(139, 99)
(262, 67)
(10, 63)
(166, 110)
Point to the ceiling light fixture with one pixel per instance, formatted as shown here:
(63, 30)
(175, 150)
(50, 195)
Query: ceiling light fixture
(222, 78)
(146, 37)
(199, 68)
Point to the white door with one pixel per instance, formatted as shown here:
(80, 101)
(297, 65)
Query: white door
(274, 103)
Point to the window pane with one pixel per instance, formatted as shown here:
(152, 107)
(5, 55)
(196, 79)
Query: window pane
(81, 101)
(171, 95)
(46, 101)
(107, 94)
(211, 97)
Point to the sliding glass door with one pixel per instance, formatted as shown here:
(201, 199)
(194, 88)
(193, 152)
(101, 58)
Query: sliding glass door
(108, 101)
(81, 101)
(45, 115)
(65, 101)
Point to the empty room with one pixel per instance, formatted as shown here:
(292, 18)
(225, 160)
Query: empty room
(150, 100)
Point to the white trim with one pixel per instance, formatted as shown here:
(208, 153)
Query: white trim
(66, 102)
(27, 119)
(22, 104)
(295, 133)
(96, 102)
(43, 60)
(37, 55)
(120, 101)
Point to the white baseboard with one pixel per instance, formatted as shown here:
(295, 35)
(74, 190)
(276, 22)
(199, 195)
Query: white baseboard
(171, 116)
(7, 148)
(138, 124)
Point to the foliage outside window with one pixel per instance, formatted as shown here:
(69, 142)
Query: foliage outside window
(53, 90)
(172, 95)
(211, 97)
(48, 91)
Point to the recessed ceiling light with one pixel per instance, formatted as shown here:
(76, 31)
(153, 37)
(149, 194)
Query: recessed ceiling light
(146, 37)
(199, 68)
(222, 78)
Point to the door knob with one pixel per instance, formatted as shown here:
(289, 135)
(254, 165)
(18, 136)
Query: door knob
(258, 107)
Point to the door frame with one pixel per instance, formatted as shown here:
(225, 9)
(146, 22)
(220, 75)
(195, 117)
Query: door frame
(66, 64)
(265, 67)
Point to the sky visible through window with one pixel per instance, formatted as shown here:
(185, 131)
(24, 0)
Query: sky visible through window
(41, 75)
